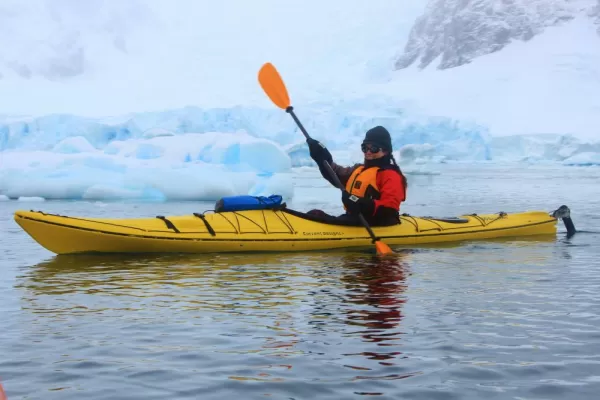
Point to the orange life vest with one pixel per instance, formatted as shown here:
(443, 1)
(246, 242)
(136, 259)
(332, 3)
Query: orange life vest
(363, 182)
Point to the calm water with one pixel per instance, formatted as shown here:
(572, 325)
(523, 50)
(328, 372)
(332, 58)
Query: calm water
(511, 319)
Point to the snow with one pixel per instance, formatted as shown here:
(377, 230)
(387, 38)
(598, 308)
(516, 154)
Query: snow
(547, 85)
(159, 101)
(455, 32)
(69, 38)
(152, 55)
(543, 85)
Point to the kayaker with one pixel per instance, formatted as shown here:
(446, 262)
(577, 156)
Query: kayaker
(375, 188)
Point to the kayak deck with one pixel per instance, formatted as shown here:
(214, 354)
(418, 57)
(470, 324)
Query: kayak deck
(262, 230)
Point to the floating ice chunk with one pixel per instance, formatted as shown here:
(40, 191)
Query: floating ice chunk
(100, 176)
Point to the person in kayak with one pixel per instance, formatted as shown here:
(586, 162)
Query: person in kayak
(374, 188)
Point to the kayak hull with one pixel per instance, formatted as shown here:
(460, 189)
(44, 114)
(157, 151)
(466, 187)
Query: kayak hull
(263, 231)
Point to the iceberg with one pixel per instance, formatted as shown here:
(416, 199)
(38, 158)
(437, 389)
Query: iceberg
(206, 153)
(341, 124)
(540, 147)
(244, 139)
(189, 166)
(583, 159)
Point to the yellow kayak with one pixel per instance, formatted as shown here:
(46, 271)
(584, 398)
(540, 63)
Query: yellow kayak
(280, 230)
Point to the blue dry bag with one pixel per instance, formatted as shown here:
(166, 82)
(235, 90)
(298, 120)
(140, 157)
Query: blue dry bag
(241, 203)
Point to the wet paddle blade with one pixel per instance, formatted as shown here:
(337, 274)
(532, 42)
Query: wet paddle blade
(273, 85)
(382, 248)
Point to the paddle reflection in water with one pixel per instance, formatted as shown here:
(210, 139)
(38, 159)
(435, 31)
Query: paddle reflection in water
(379, 286)
(362, 303)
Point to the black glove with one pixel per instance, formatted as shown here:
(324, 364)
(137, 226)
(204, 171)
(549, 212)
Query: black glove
(355, 204)
(318, 151)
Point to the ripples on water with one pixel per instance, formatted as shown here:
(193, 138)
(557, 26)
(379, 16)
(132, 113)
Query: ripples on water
(331, 325)
(180, 325)
(499, 319)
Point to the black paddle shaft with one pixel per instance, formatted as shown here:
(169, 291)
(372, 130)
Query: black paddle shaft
(332, 173)
(290, 110)
(338, 183)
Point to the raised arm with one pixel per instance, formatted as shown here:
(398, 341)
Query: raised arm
(319, 153)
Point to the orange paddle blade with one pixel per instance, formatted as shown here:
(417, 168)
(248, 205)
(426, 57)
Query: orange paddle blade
(2, 393)
(273, 85)
(382, 248)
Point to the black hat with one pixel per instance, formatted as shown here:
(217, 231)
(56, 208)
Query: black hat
(379, 136)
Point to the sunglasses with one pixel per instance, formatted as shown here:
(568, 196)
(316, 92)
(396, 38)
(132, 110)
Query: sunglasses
(371, 148)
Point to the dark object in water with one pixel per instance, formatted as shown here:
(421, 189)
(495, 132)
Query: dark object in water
(563, 212)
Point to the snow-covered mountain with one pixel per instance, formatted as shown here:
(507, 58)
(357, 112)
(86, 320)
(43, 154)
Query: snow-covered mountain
(454, 32)
(519, 67)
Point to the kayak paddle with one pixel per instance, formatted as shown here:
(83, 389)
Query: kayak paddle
(273, 85)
